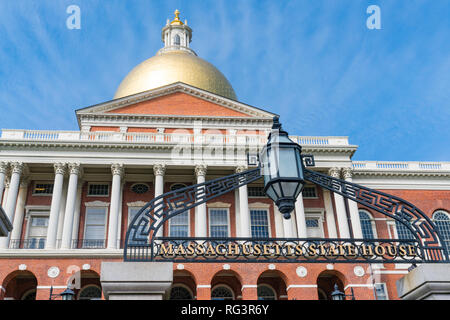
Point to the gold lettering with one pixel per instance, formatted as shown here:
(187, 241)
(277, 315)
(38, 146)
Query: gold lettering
(322, 249)
(166, 251)
(392, 250)
(210, 251)
(341, 249)
(200, 249)
(366, 250)
(312, 250)
(266, 248)
(383, 251)
(191, 249)
(299, 250)
(221, 252)
(246, 250)
(233, 247)
(332, 251)
(351, 249)
(277, 249)
(402, 250)
(257, 249)
(180, 249)
(288, 249)
(412, 251)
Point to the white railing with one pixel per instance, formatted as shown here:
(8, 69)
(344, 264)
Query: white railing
(169, 138)
(400, 165)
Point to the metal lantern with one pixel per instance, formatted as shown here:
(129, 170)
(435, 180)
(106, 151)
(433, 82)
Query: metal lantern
(336, 294)
(282, 169)
(67, 294)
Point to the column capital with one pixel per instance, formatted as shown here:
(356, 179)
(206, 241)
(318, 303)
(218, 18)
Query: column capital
(159, 169)
(240, 169)
(117, 169)
(334, 172)
(17, 167)
(4, 166)
(200, 170)
(75, 168)
(347, 172)
(60, 168)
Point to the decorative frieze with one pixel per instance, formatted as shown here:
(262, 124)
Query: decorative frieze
(347, 173)
(334, 172)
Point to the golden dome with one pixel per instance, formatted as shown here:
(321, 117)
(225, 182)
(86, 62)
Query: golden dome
(175, 66)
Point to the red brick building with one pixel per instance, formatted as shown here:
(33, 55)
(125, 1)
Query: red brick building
(175, 121)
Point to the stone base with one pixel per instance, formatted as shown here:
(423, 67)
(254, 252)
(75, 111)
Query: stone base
(426, 282)
(136, 280)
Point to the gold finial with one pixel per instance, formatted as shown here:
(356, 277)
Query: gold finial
(177, 18)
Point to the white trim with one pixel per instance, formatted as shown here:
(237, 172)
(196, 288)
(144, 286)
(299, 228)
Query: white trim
(203, 286)
(258, 205)
(96, 203)
(218, 204)
(390, 271)
(268, 217)
(136, 204)
(358, 285)
(249, 286)
(54, 287)
(301, 286)
(105, 222)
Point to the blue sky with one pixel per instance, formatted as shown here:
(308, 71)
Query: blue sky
(314, 62)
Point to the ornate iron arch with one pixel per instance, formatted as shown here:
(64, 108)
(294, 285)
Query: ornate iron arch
(144, 243)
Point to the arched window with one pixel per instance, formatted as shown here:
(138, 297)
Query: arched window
(29, 295)
(179, 292)
(367, 225)
(403, 232)
(222, 293)
(176, 40)
(442, 221)
(91, 292)
(266, 293)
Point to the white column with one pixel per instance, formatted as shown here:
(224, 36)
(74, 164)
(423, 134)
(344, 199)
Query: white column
(74, 171)
(62, 211)
(353, 208)
(52, 228)
(76, 216)
(279, 227)
(201, 228)
(237, 215)
(3, 171)
(10, 205)
(329, 214)
(119, 224)
(244, 213)
(300, 216)
(344, 231)
(20, 211)
(159, 170)
(117, 172)
(5, 195)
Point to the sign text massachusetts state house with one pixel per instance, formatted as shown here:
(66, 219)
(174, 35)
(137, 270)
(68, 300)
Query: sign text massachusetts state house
(175, 121)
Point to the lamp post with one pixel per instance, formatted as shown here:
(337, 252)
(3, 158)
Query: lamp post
(339, 295)
(282, 168)
(67, 294)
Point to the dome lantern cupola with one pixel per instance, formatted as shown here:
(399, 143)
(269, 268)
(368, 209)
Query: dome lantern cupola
(176, 35)
(173, 63)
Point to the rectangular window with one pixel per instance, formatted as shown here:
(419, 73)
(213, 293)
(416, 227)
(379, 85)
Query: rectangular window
(218, 222)
(179, 225)
(259, 222)
(256, 192)
(313, 227)
(37, 232)
(98, 190)
(381, 291)
(309, 192)
(132, 211)
(95, 227)
(43, 188)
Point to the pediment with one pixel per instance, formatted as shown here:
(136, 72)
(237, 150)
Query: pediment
(177, 99)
